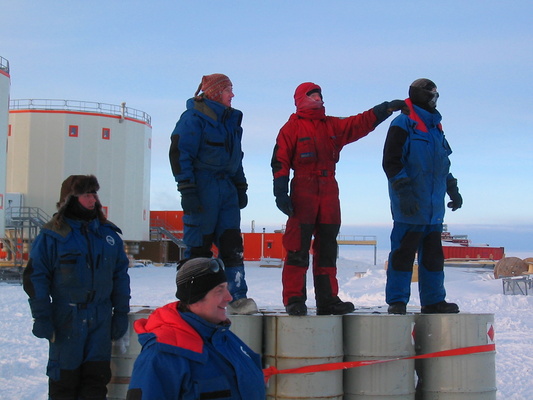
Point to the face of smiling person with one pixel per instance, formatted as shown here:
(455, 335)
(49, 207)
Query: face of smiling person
(227, 95)
(212, 307)
(88, 200)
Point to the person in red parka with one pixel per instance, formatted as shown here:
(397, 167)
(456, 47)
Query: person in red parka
(310, 143)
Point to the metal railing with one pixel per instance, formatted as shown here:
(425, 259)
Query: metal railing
(22, 227)
(19, 216)
(160, 228)
(79, 105)
(365, 240)
(4, 64)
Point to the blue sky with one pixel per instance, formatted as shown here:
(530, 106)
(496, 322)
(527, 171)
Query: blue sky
(152, 55)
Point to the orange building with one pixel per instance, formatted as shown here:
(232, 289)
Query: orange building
(257, 246)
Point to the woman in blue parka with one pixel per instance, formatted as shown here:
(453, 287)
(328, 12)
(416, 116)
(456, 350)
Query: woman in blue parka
(188, 351)
(416, 162)
(206, 160)
(79, 290)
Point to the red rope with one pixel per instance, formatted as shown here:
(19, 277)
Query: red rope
(270, 371)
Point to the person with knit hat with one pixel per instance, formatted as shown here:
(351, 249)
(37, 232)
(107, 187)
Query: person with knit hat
(310, 144)
(416, 162)
(188, 351)
(206, 160)
(79, 291)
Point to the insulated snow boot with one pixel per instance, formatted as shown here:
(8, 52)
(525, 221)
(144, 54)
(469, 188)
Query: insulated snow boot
(244, 306)
(397, 308)
(298, 309)
(327, 302)
(338, 308)
(440, 308)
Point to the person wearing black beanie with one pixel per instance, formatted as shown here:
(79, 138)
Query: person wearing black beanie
(416, 162)
(188, 350)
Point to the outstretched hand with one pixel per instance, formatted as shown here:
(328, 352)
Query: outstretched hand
(398, 105)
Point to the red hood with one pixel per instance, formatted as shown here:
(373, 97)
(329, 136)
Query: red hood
(305, 106)
(300, 94)
(169, 327)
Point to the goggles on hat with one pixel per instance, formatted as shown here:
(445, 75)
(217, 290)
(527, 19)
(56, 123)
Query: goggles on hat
(212, 267)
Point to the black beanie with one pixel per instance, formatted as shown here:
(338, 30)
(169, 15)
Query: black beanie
(197, 276)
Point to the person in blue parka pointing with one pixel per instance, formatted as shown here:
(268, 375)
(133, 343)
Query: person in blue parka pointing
(79, 291)
(206, 159)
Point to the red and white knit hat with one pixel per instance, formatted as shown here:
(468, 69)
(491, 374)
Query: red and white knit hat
(213, 85)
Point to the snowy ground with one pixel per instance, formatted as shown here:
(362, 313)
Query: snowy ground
(23, 357)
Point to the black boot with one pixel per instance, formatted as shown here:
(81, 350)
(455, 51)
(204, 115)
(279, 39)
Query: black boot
(397, 308)
(326, 303)
(440, 308)
(337, 308)
(298, 309)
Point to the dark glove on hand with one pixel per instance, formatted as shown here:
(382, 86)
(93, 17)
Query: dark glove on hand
(455, 197)
(241, 192)
(284, 203)
(398, 105)
(119, 325)
(43, 328)
(385, 109)
(408, 204)
(190, 202)
(281, 191)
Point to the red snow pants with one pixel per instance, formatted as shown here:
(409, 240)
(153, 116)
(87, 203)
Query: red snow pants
(315, 200)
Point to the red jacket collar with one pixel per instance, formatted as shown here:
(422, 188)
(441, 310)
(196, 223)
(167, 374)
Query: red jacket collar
(169, 327)
(420, 125)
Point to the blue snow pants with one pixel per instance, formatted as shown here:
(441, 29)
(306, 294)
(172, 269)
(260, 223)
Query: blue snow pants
(406, 241)
(217, 223)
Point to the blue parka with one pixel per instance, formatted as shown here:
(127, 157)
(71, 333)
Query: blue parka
(77, 275)
(416, 148)
(206, 159)
(185, 357)
(207, 141)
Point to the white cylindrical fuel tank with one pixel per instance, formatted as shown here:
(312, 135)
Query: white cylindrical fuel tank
(52, 139)
(5, 85)
(379, 337)
(292, 342)
(249, 328)
(462, 377)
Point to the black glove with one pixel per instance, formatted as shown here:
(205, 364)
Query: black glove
(385, 109)
(190, 202)
(241, 192)
(41, 311)
(398, 105)
(43, 328)
(281, 191)
(119, 325)
(408, 204)
(455, 197)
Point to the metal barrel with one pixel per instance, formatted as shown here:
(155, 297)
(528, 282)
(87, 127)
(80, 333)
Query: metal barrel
(249, 328)
(462, 377)
(123, 355)
(379, 337)
(292, 342)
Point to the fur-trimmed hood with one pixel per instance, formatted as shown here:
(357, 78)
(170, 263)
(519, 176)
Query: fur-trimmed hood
(76, 185)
